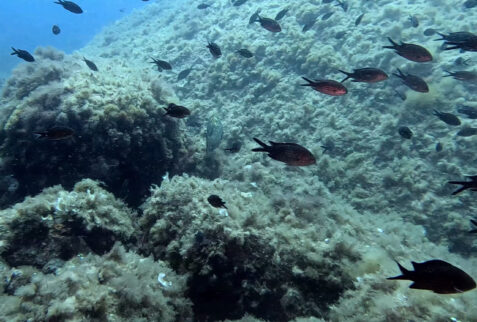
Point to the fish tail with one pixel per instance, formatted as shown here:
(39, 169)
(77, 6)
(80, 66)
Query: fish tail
(310, 82)
(404, 271)
(394, 44)
(442, 35)
(348, 75)
(465, 185)
(448, 72)
(39, 135)
(474, 222)
(399, 74)
(264, 147)
(15, 52)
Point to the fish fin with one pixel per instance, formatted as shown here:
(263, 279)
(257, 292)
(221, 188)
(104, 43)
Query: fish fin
(474, 222)
(15, 51)
(436, 113)
(264, 147)
(310, 82)
(394, 45)
(399, 74)
(473, 178)
(465, 185)
(348, 75)
(448, 72)
(404, 271)
(40, 135)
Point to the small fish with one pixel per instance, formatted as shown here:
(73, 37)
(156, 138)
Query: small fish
(56, 133)
(439, 147)
(307, 26)
(358, 20)
(289, 153)
(281, 14)
(462, 75)
(413, 82)
(401, 95)
(460, 61)
(437, 276)
(405, 132)
(340, 34)
(254, 17)
(90, 64)
(269, 24)
(214, 49)
(183, 74)
(161, 64)
(216, 201)
(472, 184)
(429, 32)
(414, 21)
(237, 3)
(470, 4)
(467, 131)
(327, 16)
(366, 75)
(473, 222)
(177, 111)
(470, 111)
(235, 147)
(343, 4)
(203, 6)
(70, 6)
(328, 1)
(56, 30)
(459, 36)
(245, 53)
(23, 54)
(326, 86)
(468, 45)
(447, 118)
(412, 52)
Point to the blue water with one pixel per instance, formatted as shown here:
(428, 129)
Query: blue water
(27, 24)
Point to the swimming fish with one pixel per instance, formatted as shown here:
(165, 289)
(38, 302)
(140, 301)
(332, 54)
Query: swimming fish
(405, 132)
(216, 201)
(429, 32)
(161, 64)
(343, 4)
(55, 29)
(437, 276)
(358, 20)
(414, 82)
(459, 36)
(214, 49)
(414, 21)
(245, 53)
(467, 131)
(412, 52)
(308, 25)
(467, 45)
(447, 118)
(470, 111)
(472, 184)
(56, 133)
(366, 75)
(281, 14)
(254, 17)
(326, 86)
(177, 111)
(70, 6)
(23, 54)
(462, 75)
(473, 222)
(183, 74)
(269, 24)
(203, 6)
(439, 147)
(237, 3)
(90, 64)
(327, 16)
(289, 153)
(401, 95)
(470, 4)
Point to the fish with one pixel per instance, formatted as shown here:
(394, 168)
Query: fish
(281, 14)
(161, 64)
(412, 52)
(90, 64)
(70, 6)
(269, 24)
(366, 75)
(414, 82)
(56, 30)
(439, 147)
(214, 134)
(326, 86)
(473, 222)
(177, 111)
(327, 16)
(467, 131)
(214, 49)
(470, 4)
(235, 147)
(203, 6)
(245, 53)
(414, 21)
(358, 20)
(23, 54)
(405, 132)
(343, 4)
(438, 276)
(460, 61)
(470, 111)
(472, 184)
(467, 45)
(401, 95)
(237, 3)
(328, 1)
(307, 26)
(340, 34)
(462, 75)
(183, 74)
(429, 32)
(216, 201)
(55, 133)
(447, 118)
(459, 36)
(290, 153)
(254, 17)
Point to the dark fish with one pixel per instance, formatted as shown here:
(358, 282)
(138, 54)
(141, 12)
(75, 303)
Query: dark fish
(473, 222)
(281, 14)
(216, 201)
(459, 36)
(203, 6)
(470, 111)
(90, 64)
(340, 34)
(235, 147)
(470, 4)
(401, 95)
(307, 26)
(245, 53)
(358, 20)
(439, 147)
(343, 4)
(183, 74)
(405, 132)
(467, 131)
(237, 3)
(56, 30)
(327, 16)
(56, 133)
(328, 1)
(414, 21)
(327, 86)
(366, 75)
(447, 118)
(289, 153)
(413, 82)
(468, 45)
(463, 75)
(70, 6)
(214, 49)
(429, 32)
(254, 17)
(410, 51)
(177, 111)
(460, 61)
(161, 64)
(472, 184)
(23, 54)
(437, 276)
(269, 24)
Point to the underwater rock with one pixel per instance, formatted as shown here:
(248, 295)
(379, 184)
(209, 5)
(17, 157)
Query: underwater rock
(214, 134)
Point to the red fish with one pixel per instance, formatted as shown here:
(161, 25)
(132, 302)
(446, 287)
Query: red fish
(410, 51)
(289, 153)
(56, 133)
(414, 82)
(268, 23)
(366, 75)
(177, 111)
(327, 86)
